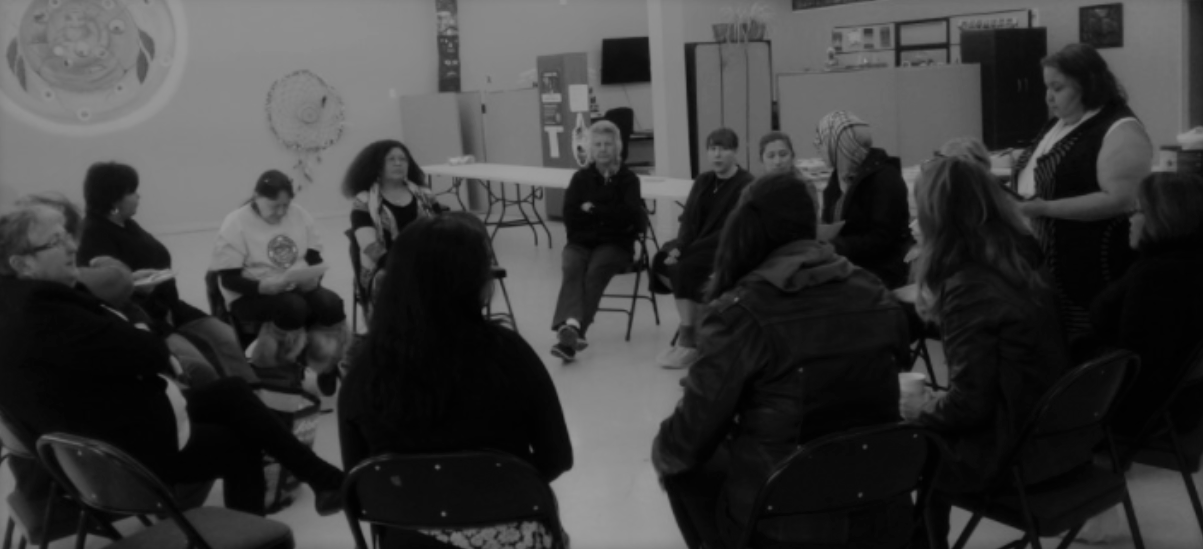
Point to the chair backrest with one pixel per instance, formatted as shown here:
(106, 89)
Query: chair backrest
(356, 266)
(14, 438)
(624, 118)
(108, 480)
(455, 490)
(856, 469)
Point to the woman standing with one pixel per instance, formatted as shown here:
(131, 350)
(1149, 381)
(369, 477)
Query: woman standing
(268, 258)
(112, 199)
(865, 210)
(388, 192)
(1080, 177)
(436, 376)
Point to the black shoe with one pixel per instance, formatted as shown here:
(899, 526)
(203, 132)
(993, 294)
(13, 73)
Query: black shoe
(327, 382)
(568, 354)
(567, 337)
(328, 502)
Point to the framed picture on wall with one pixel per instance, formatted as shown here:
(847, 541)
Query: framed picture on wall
(1102, 26)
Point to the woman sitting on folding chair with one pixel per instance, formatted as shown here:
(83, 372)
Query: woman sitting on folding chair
(796, 343)
(435, 375)
(979, 277)
(269, 259)
(1156, 309)
(388, 191)
(75, 364)
(603, 213)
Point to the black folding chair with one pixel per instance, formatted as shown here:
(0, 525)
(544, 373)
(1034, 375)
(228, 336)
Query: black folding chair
(106, 480)
(1161, 443)
(448, 491)
(359, 299)
(849, 471)
(639, 266)
(1076, 408)
(247, 330)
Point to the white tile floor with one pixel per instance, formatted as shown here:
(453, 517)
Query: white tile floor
(614, 398)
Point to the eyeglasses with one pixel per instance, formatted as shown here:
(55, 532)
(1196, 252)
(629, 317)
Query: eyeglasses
(59, 240)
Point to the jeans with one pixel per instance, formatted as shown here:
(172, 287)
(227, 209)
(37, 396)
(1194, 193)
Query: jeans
(586, 273)
(292, 310)
(231, 429)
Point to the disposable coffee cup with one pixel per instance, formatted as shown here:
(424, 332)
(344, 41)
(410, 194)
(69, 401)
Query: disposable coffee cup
(911, 383)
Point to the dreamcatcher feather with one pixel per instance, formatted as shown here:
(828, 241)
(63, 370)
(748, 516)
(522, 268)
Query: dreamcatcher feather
(306, 116)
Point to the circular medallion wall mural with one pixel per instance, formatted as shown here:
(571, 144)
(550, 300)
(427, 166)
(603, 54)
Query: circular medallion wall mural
(90, 66)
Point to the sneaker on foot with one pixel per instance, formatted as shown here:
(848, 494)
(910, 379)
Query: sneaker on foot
(328, 502)
(567, 336)
(327, 382)
(681, 357)
(567, 354)
(581, 343)
(667, 356)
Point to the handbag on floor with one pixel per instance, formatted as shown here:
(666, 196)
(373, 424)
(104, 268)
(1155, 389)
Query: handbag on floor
(299, 411)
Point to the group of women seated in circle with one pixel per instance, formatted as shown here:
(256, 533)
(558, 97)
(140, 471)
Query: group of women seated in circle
(791, 324)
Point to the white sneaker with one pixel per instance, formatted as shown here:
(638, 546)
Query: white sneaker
(678, 358)
(666, 356)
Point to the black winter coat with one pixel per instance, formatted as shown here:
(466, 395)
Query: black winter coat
(876, 234)
(617, 215)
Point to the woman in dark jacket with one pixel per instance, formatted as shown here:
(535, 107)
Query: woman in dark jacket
(74, 364)
(796, 343)
(603, 213)
(436, 376)
(865, 210)
(1156, 309)
(109, 230)
(979, 278)
(686, 263)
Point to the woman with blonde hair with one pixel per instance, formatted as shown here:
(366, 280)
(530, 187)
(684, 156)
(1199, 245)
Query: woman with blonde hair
(603, 214)
(979, 277)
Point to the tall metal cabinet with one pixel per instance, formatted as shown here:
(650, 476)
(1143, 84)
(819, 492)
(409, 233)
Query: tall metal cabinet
(1013, 107)
(729, 85)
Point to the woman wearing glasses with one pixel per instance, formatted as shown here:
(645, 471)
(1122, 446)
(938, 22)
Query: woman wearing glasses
(73, 363)
(269, 261)
(865, 210)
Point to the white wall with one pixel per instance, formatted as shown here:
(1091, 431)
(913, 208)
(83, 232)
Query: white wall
(199, 156)
(501, 39)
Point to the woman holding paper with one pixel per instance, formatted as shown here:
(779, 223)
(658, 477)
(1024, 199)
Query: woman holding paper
(109, 230)
(269, 260)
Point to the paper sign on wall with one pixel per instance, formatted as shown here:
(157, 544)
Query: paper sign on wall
(578, 97)
(553, 139)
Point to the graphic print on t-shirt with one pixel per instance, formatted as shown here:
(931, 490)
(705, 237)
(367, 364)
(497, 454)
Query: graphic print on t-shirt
(282, 251)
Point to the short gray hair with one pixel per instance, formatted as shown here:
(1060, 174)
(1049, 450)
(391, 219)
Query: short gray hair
(606, 127)
(14, 235)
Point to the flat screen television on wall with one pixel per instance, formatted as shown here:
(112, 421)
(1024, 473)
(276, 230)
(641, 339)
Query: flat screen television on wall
(625, 61)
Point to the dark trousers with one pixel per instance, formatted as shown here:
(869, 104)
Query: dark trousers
(687, 278)
(586, 273)
(292, 310)
(694, 498)
(231, 429)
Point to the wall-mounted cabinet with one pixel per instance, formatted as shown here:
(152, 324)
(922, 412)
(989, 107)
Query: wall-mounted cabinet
(729, 85)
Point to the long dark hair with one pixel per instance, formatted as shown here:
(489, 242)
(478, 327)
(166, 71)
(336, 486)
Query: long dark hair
(365, 170)
(772, 211)
(427, 329)
(967, 220)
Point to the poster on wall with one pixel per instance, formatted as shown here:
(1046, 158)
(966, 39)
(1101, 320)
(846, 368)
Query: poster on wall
(448, 39)
(549, 87)
(885, 37)
(86, 67)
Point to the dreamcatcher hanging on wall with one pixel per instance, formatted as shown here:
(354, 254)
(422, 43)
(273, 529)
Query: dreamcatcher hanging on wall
(306, 116)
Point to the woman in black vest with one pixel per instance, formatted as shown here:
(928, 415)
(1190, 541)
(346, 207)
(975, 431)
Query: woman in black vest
(1079, 178)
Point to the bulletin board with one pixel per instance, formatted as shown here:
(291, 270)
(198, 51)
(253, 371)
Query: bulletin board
(918, 42)
(859, 45)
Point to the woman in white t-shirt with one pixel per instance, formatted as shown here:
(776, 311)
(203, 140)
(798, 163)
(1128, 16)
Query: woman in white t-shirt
(268, 258)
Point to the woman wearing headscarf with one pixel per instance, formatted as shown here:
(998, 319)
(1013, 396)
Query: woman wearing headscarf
(865, 210)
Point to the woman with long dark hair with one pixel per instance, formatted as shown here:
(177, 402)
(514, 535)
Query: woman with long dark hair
(435, 375)
(796, 343)
(980, 279)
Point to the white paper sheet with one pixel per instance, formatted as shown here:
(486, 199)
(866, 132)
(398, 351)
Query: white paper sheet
(578, 97)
